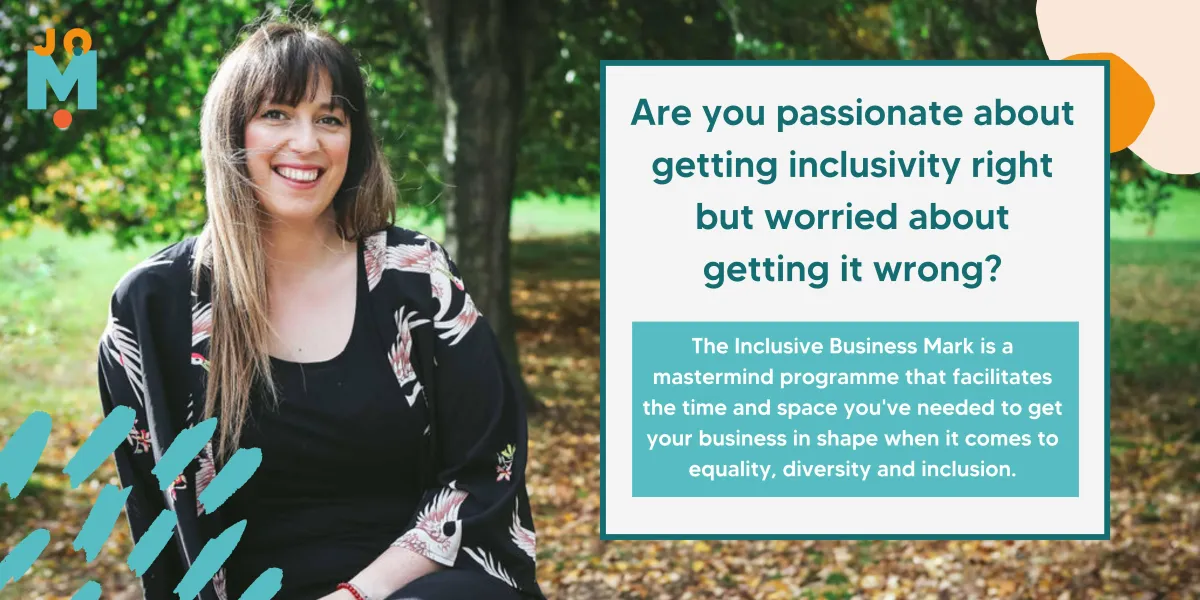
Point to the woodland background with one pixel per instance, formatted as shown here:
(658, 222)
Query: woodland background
(519, 209)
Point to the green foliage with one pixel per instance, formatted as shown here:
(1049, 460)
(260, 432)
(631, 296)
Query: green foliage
(1144, 191)
(560, 147)
(133, 166)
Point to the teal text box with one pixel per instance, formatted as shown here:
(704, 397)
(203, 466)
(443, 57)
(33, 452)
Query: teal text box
(1041, 370)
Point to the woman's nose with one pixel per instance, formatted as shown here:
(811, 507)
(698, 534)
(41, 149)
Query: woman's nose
(304, 138)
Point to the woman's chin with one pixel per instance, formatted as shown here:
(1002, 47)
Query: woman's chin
(298, 208)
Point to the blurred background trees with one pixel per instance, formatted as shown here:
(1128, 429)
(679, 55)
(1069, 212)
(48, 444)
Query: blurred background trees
(131, 171)
(476, 102)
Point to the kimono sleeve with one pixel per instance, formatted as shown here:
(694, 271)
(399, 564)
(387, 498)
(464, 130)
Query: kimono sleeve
(479, 518)
(125, 365)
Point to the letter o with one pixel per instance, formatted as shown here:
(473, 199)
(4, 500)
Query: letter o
(77, 33)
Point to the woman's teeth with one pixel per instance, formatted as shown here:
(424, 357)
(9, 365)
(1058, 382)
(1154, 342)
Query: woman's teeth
(301, 175)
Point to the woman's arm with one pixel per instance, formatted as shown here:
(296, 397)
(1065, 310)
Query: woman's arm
(127, 376)
(476, 516)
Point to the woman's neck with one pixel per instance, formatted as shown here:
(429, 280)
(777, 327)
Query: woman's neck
(292, 247)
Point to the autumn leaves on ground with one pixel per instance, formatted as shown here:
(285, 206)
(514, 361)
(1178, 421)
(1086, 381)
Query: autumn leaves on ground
(52, 294)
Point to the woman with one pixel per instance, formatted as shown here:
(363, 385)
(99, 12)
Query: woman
(346, 350)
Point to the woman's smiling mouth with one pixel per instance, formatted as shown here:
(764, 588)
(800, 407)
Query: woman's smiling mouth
(299, 176)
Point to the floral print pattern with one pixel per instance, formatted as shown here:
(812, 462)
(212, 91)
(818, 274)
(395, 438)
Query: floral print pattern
(204, 475)
(401, 355)
(491, 566)
(375, 257)
(525, 539)
(139, 439)
(121, 345)
(201, 322)
(429, 537)
(504, 469)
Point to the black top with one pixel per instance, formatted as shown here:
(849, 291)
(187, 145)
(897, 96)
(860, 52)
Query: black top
(320, 507)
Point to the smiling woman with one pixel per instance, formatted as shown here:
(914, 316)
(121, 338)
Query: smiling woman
(346, 349)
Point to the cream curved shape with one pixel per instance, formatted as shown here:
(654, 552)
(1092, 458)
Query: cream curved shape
(1157, 39)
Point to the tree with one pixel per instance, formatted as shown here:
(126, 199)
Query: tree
(484, 56)
(480, 58)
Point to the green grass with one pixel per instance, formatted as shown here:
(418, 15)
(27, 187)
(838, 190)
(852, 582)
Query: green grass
(533, 217)
(53, 304)
(1156, 295)
(1156, 311)
(1179, 221)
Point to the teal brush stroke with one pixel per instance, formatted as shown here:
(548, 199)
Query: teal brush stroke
(232, 477)
(21, 558)
(89, 591)
(101, 444)
(266, 586)
(152, 543)
(212, 556)
(182, 451)
(101, 520)
(22, 452)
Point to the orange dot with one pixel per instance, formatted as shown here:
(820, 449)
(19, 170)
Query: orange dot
(1130, 100)
(62, 118)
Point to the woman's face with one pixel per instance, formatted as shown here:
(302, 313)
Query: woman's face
(297, 155)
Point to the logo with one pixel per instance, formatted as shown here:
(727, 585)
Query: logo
(80, 73)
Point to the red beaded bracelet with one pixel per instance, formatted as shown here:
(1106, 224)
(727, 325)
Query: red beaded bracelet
(353, 589)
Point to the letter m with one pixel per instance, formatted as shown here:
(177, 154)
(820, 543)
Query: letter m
(81, 71)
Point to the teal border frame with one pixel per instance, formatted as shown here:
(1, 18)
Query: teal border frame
(1107, 535)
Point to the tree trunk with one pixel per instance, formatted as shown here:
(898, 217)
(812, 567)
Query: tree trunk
(481, 69)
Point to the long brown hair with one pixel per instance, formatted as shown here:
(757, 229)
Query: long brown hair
(278, 63)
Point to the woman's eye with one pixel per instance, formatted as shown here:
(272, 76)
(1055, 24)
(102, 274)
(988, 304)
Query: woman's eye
(331, 120)
(269, 113)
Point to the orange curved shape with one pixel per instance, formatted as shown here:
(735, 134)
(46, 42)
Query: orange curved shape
(1130, 100)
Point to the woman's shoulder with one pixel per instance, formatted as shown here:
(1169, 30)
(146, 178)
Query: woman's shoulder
(414, 268)
(165, 271)
(404, 250)
(395, 235)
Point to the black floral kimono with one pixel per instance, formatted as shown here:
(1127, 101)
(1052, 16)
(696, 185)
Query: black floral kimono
(476, 513)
